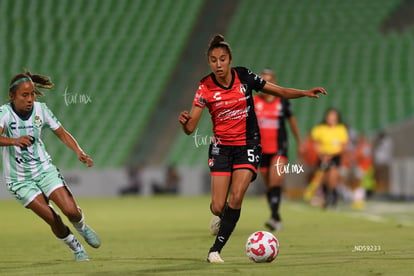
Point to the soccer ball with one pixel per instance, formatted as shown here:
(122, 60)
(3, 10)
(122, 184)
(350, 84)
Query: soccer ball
(262, 246)
(215, 225)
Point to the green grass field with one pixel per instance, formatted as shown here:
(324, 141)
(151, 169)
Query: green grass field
(169, 236)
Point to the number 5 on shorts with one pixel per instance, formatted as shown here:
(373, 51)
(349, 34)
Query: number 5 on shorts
(251, 157)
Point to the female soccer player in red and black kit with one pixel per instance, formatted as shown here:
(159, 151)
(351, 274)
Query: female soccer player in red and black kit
(235, 154)
(272, 112)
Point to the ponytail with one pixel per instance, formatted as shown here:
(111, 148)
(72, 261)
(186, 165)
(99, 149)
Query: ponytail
(39, 81)
(218, 42)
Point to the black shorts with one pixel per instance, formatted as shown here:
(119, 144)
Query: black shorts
(334, 162)
(268, 158)
(223, 159)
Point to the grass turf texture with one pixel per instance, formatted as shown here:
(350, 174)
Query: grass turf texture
(170, 236)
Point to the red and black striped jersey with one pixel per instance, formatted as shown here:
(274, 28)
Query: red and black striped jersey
(271, 117)
(231, 108)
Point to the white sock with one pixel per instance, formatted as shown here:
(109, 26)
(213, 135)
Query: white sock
(80, 225)
(73, 244)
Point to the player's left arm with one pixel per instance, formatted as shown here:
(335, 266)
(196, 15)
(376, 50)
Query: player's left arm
(71, 143)
(292, 93)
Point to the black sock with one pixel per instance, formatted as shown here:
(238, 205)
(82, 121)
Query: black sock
(274, 199)
(227, 225)
(331, 197)
(334, 197)
(268, 196)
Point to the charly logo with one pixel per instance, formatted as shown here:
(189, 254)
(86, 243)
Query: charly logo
(13, 125)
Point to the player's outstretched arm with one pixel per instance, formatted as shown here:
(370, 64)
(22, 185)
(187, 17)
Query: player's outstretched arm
(291, 93)
(71, 143)
(190, 120)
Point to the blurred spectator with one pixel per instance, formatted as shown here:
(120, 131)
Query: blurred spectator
(135, 180)
(309, 158)
(383, 153)
(171, 182)
(362, 172)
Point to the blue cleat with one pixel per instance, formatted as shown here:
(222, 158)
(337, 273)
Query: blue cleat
(81, 256)
(90, 237)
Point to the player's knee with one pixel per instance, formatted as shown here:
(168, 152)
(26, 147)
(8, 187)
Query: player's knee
(54, 220)
(73, 214)
(235, 200)
(217, 208)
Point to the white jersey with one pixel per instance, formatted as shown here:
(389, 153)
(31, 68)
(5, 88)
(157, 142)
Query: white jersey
(26, 163)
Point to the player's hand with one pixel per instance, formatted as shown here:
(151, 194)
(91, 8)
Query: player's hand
(314, 92)
(184, 117)
(23, 141)
(86, 159)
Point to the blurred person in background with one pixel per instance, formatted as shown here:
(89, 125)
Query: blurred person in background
(28, 170)
(234, 155)
(171, 184)
(330, 138)
(135, 181)
(382, 158)
(309, 157)
(271, 112)
(363, 172)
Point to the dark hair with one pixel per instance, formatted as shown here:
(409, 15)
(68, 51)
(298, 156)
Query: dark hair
(218, 42)
(268, 71)
(40, 81)
(337, 113)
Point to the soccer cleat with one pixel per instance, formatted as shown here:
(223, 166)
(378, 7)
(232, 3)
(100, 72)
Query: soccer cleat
(90, 237)
(81, 256)
(273, 225)
(215, 225)
(214, 257)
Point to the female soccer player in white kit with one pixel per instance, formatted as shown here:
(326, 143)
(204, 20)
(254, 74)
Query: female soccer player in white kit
(29, 173)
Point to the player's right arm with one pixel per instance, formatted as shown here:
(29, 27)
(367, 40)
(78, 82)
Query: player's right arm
(292, 93)
(190, 120)
(22, 141)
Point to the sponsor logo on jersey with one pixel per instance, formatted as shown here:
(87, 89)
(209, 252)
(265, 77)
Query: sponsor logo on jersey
(26, 159)
(217, 96)
(256, 77)
(12, 125)
(229, 114)
(211, 162)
